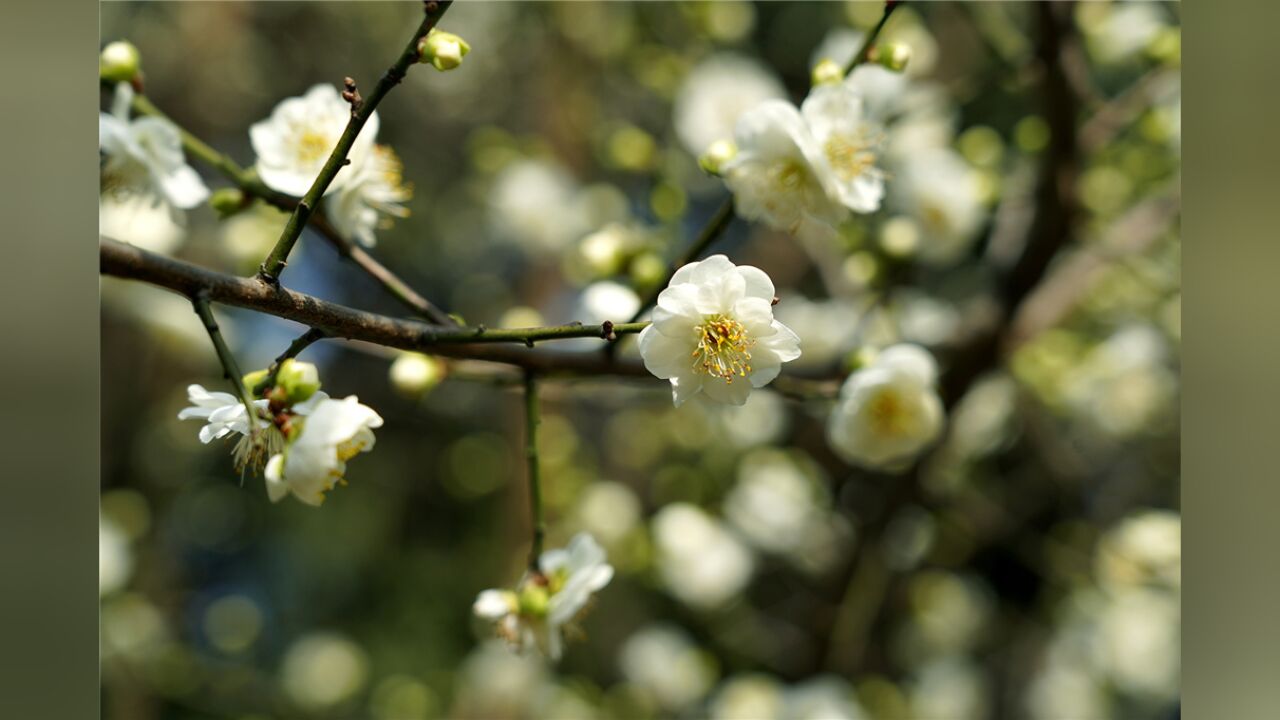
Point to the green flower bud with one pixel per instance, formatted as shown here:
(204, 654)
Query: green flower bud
(298, 380)
(861, 358)
(826, 72)
(253, 380)
(443, 50)
(120, 61)
(648, 269)
(719, 153)
(891, 55)
(414, 373)
(534, 599)
(228, 201)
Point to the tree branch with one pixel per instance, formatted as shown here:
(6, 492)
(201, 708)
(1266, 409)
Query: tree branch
(200, 301)
(531, 416)
(361, 110)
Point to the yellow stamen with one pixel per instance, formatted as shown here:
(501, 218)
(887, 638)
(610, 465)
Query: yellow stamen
(724, 349)
(849, 155)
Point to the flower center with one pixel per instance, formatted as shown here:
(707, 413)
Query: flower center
(724, 348)
(889, 415)
(848, 155)
(788, 175)
(313, 147)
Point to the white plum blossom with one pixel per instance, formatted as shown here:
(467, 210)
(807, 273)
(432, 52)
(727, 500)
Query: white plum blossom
(941, 194)
(140, 221)
(850, 142)
(144, 156)
(315, 460)
(223, 413)
(713, 331)
(716, 93)
(533, 616)
(295, 142)
(662, 660)
(888, 411)
(371, 198)
(780, 175)
(701, 562)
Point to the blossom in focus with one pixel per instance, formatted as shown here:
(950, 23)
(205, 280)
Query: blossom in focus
(295, 142)
(837, 119)
(716, 93)
(888, 411)
(713, 331)
(534, 615)
(223, 413)
(371, 198)
(780, 175)
(144, 156)
(315, 457)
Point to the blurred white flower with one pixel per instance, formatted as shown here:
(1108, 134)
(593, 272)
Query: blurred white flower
(923, 319)
(826, 328)
(1125, 30)
(1139, 642)
(140, 220)
(747, 697)
(716, 93)
(115, 559)
(322, 669)
(533, 616)
(889, 411)
(413, 373)
(825, 697)
(838, 121)
(942, 194)
(713, 331)
(315, 459)
(494, 683)
(371, 198)
(665, 662)
(1144, 548)
(608, 300)
(774, 504)
(144, 155)
(951, 688)
(781, 175)
(1124, 386)
(984, 419)
(295, 142)
(763, 419)
(535, 204)
(608, 510)
(702, 564)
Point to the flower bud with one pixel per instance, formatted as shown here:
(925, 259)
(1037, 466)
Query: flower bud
(414, 373)
(120, 61)
(648, 269)
(891, 55)
(534, 599)
(298, 380)
(253, 380)
(228, 201)
(719, 153)
(827, 72)
(861, 358)
(443, 50)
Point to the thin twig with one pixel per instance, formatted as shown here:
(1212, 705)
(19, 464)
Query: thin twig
(870, 40)
(304, 341)
(714, 228)
(532, 417)
(200, 301)
(361, 109)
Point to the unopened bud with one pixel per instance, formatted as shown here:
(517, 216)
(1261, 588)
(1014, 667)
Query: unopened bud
(861, 358)
(534, 599)
(443, 50)
(298, 380)
(253, 380)
(228, 201)
(827, 72)
(719, 153)
(647, 270)
(891, 55)
(120, 61)
(414, 373)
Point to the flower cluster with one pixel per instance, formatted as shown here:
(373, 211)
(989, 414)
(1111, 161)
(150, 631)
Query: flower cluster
(713, 332)
(294, 144)
(301, 436)
(803, 170)
(549, 598)
(889, 410)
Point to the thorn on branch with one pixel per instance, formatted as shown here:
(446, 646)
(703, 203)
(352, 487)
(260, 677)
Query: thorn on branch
(352, 94)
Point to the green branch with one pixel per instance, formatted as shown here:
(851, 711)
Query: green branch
(714, 228)
(870, 40)
(304, 341)
(531, 417)
(200, 301)
(361, 110)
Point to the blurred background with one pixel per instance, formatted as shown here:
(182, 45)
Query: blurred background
(1028, 566)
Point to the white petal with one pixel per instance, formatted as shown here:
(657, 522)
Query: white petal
(912, 359)
(731, 393)
(684, 387)
(758, 284)
(274, 476)
(664, 356)
(493, 604)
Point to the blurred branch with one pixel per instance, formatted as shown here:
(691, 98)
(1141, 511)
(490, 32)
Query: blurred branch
(714, 228)
(532, 418)
(1121, 111)
(304, 341)
(200, 301)
(250, 184)
(869, 42)
(361, 110)
(1050, 228)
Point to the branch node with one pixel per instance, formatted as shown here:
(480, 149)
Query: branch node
(528, 342)
(606, 331)
(351, 94)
